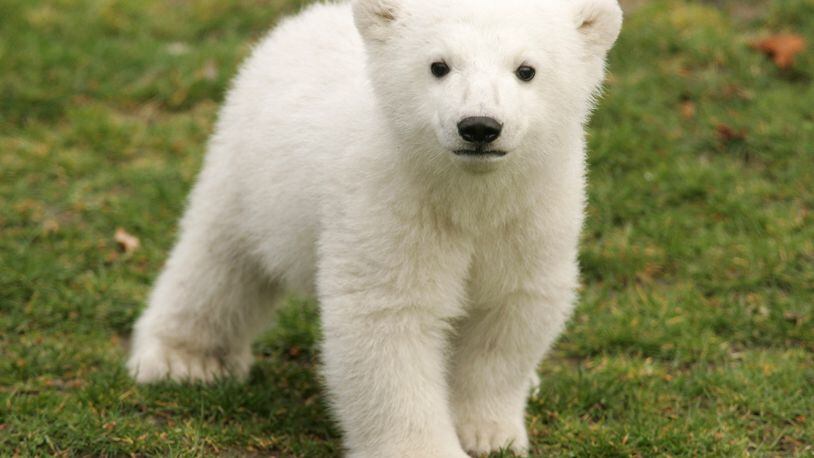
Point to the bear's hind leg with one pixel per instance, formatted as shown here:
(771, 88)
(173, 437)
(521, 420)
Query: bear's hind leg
(207, 306)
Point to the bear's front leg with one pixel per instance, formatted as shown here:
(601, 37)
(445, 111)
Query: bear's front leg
(386, 306)
(497, 349)
(386, 374)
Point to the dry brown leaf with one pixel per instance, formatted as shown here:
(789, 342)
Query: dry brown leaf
(127, 243)
(728, 134)
(688, 109)
(782, 48)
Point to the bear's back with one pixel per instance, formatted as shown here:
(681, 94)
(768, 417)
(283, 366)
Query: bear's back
(283, 129)
(304, 85)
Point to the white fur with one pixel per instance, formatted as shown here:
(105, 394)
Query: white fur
(442, 279)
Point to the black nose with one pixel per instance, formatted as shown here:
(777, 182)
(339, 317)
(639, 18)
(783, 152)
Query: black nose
(479, 129)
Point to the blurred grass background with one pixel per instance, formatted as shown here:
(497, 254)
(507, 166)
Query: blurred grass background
(695, 332)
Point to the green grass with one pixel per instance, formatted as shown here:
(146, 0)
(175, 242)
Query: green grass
(695, 331)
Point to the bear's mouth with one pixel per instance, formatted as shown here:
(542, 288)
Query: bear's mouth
(479, 152)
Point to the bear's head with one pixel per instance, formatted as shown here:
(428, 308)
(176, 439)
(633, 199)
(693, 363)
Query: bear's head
(480, 82)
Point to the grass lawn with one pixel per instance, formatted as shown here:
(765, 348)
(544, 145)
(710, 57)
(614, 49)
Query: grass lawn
(695, 330)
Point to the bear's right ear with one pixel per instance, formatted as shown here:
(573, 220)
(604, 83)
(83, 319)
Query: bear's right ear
(374, 18)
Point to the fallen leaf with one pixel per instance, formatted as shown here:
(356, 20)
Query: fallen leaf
(782, 48)
(126, 242)
(728, 134)
(688, 109)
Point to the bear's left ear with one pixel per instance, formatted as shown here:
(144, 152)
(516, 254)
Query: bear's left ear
(374, 18)
(599, 22)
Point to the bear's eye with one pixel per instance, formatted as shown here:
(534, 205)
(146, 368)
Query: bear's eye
(439, 69)
(525, 73)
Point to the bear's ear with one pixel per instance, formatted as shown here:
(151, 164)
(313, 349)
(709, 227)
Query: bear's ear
(374, 18)
(599, 22)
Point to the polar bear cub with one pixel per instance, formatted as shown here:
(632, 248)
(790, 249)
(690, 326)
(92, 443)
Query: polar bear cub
(418, 165)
